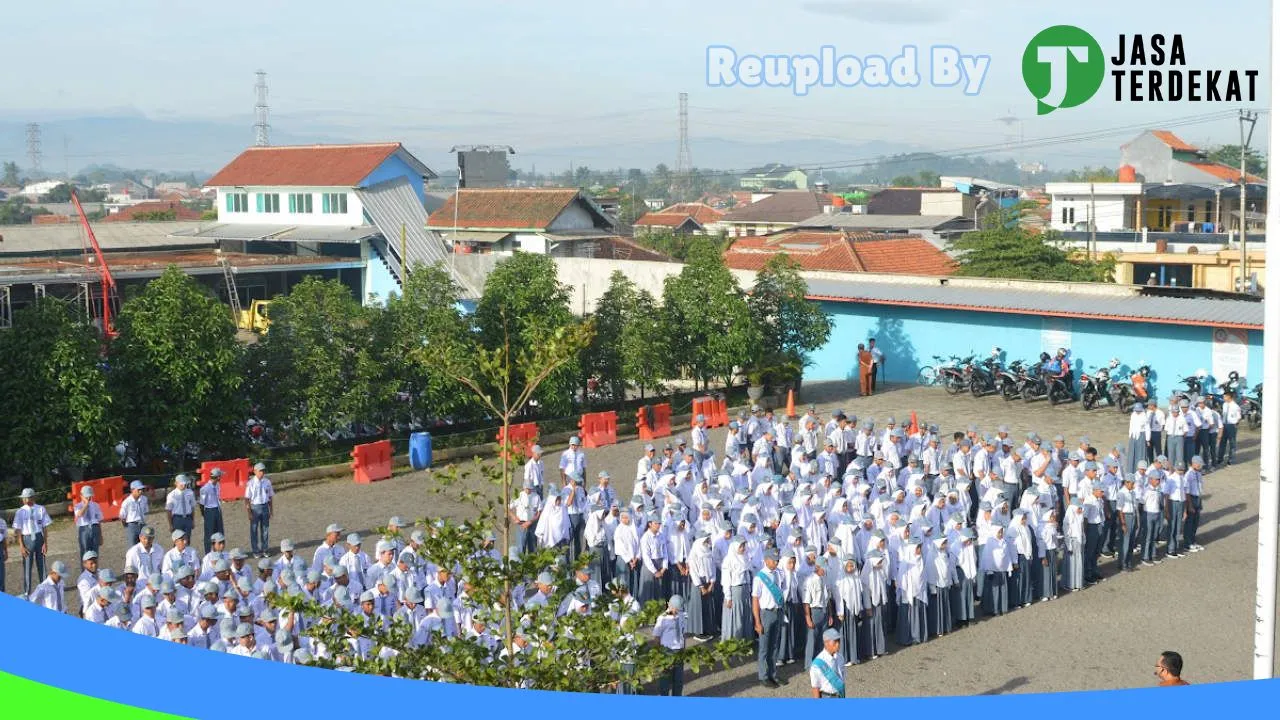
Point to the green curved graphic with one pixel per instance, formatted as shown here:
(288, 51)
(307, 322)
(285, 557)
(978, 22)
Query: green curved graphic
(48, 701)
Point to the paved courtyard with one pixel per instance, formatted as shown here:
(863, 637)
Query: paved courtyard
(1104, 637)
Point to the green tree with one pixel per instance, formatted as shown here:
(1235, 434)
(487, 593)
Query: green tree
(708, 324)
(12, 175)
(309, 360)
(57, 406)
(423, 315)
(603, 358)
(1005, 249)
(1092, 174)
(903, 181)
(176, 368)
(790, 327)
(1229, 155)
(646, 359)
(929, 178)
(15, 211)
(59, 194)
(524, 300)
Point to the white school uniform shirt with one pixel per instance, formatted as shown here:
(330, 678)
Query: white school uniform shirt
(1212, 420)
(210, 497)
(815, 592)
(533, 470)
(134, 509)
(49, 594)
(818, 679)
(180, 502)
(669, 630)
(31, 521)
(1175, 487)
(259, 491)
(1152, 499)
(146, 626)
(173, 559)
(146, 561)
(758, 590)
(1231, 413)
(1156, 418)
(327, 552)
(92, 514)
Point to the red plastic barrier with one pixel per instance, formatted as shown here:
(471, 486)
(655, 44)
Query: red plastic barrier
(235, 477)
(372, 462)
(586, 428)
(107, 492)
(523, 437)
(699, 408)
(722, 412)
(716, 412)
(606, 428)
(660, 417)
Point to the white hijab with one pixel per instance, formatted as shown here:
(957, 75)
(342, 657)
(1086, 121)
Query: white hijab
(553, 525)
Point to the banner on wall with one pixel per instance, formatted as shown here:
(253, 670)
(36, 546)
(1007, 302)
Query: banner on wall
(1230, 352)
(1055, 333)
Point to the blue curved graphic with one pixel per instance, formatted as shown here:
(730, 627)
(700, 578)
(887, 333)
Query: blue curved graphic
(40, 646)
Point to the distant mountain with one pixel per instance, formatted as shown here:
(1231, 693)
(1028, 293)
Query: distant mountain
(713, 153)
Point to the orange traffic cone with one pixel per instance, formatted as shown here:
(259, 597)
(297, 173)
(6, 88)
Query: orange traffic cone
(914, 427)
(791, 404)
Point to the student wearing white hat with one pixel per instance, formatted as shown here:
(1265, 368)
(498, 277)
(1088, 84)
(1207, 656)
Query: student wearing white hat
(181, 554)
(30, 522)
(356, 562)
(524, 512)
(826, 671)
(88, 516)
(49, 592)
(330, 549)
(180, 505)
(210, 502)
(133, 513)
(573, 461)
(533, 469)
(146, 624)
(259, 503)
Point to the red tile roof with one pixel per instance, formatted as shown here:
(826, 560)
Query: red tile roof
(506, 208)
(842, 251)
(315, 165)
(701, 212)
(1173, 141)
(1223, 172)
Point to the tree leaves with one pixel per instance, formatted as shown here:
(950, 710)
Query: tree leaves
(790, 327)
(708, 324)
(1005, 249)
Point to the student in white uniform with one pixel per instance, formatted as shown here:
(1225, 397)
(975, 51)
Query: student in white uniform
(88, 518)
(49, 592)
(826, 672)
(669, 631)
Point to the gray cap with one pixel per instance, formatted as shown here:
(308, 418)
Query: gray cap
(137, 485)
(177, 534)
(353, 539)
(574, 440)
(333, 528)
(831, 634)
(259, 466)
(105, 575)
(28, 493)
(676, 602)
(536, 449)
(148, 532)
(86, 491)
(60, 567)
(244, 630)
(173, 616)
(208, 613)
(89, 555)
(147, 601)
(366, 596)
(217, 537)
(286, 545)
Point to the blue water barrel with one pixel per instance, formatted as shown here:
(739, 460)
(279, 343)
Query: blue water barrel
(420, 450)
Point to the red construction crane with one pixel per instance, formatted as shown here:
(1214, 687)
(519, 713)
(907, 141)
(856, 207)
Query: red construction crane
(104, 272)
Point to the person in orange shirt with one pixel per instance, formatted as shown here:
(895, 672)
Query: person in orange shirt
(1169, 669)
(1139, 381)
(865, 368)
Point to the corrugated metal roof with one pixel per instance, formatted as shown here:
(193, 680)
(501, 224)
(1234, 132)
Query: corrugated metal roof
(393, 206)
(858, 221)
(69, 237)
(288, 233)
(1125, 305)
(237, 231)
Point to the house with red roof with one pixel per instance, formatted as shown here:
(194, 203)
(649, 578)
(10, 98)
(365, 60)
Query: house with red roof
(678, 219)
(359, 200)
(1159, 156)
(564, 222)
(840, 250)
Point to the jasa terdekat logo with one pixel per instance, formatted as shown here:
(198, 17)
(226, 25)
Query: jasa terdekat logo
(1064, 66)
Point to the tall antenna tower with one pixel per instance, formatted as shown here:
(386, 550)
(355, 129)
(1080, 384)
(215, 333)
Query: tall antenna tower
(260, 127)
(34, 154)
(684, 163)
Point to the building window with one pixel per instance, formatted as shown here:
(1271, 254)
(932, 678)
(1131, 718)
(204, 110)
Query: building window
(1191, 213)
(237, 202)
(300, 203)
(1068, 216)
(751, 231)
(1208, 211)
(1163, 217)
(268, 202)
(334, 203)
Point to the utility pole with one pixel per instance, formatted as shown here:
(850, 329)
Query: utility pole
(1093, 225)
(1251, 118)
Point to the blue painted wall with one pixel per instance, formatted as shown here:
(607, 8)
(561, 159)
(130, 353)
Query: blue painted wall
(910, 337)
(393, 167)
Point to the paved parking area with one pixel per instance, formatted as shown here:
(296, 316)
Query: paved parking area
(1104, 637)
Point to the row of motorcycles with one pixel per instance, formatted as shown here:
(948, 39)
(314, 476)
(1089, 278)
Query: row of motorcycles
(1108, 385)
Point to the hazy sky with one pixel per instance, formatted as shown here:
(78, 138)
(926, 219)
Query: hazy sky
(556, 73)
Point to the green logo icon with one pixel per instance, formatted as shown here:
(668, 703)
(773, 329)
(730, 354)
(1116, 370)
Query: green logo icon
(1063, 67)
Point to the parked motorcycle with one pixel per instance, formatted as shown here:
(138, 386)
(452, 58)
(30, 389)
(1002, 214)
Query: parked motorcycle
(1040, 384)
(1196, 389)
(953, 377)
(1122, 393)
(1252, 407)
(1095, 386)
(982, 375)
(1009, 379)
